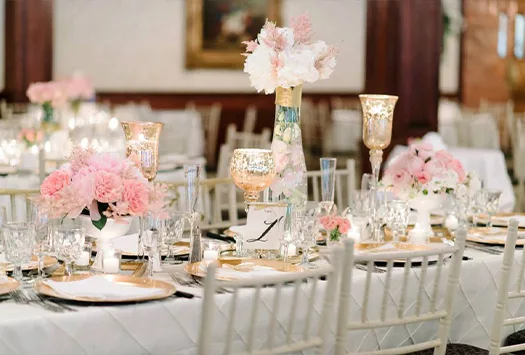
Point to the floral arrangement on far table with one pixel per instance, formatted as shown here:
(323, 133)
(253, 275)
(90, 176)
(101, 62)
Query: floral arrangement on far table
(30, 136)
(335, 225)
(101, 186)
(287, 56)
(423, 171)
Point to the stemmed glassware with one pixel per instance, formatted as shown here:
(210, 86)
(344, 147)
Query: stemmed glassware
(328, 166)
(192, 175)
(378, 113)
(492, 198)
(397, 220)
(252, 170)
(43, 238)
(305, 227)
(69, 242)
(19, 241)
(153, 230)
(173, 228)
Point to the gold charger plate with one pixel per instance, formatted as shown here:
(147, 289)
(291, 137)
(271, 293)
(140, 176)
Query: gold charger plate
(167, 288)
(48, 262)
(229, 254)
(484, 236)
(8, 286)
(164, 251)
(371, 248)
(198, 269)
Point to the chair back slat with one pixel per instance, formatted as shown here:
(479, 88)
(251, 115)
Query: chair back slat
(14, 198)
(396, 312)
(437, 280)
(519, 284)
(281, 339)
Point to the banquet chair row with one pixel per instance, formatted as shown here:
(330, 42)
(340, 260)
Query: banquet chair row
(241, 139)
(211, 116)
(345, 183)
(17, 202)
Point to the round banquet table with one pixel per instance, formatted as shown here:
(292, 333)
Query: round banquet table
(172, 326)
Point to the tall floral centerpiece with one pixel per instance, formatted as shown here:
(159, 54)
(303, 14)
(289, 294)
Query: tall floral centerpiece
(50, 96)
(102, 191)
(423, 177)
(280, 60)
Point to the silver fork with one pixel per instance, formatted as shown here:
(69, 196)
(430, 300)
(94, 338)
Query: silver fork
(376, 270)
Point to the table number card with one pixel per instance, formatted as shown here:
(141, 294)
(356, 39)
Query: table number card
(264, 225)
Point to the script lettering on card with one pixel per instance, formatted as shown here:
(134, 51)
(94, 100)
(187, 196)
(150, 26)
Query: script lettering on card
(264, 225)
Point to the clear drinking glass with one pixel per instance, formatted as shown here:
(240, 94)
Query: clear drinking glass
(479, 207)
(493, 199)
(305, 227)
(328, 166)
(398, 214)
(192, 176)
(172, 233)
(43, 239)
(82, 262)
(69, 242)
(152, 238)
(19, 241)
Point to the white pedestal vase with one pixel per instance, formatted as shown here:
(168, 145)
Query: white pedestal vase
(111, 230)
(424, 205)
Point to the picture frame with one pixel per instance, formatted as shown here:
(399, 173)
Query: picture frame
(216, 28)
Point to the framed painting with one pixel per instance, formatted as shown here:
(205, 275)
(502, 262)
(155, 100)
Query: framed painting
(216, 28)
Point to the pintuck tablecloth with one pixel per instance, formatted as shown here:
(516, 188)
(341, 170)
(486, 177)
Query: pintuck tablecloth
(172, 326)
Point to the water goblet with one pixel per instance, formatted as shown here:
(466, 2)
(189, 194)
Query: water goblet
(69, 242)
(192, 177)
(43, 239)
(397, 220)
(493, 199)
(328, 166)
(153, 230)
(305, 230)
(19, 241)
(172, 233)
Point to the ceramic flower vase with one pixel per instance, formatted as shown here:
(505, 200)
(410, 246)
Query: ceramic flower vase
(111, 230)
(290, 184)
(424, 204)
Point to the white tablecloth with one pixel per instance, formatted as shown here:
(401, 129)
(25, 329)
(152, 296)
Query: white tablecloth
(490, 166)
(182, 132)
(172, 326)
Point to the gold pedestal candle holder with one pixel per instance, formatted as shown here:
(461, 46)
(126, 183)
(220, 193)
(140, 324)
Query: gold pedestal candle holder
(142, 146)
(252, 170)
(378, 114)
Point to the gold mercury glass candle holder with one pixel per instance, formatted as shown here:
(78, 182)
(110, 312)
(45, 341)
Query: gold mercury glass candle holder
(378, 114)
(142, 141)
(252, 170)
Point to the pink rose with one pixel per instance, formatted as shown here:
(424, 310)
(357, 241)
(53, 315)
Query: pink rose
(435, 168)
(54, 183)
(108, 187)
(344, 225)
(451, 163)
(136, 195)
(79, 87)
(106, 162)
(422, 150)
(423, 177)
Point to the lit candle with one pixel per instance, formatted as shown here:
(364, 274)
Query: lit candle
(110, 262)
(451, 223)
(83, 259)
(210, 254)
(292, 250)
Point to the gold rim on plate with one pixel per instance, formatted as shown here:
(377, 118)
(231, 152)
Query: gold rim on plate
(198, 269)
(505, 223)
(295, 259)
(167, 288)
(48, 262)
(400, 247)
(483, 235)
(8, 286)
(164, 251)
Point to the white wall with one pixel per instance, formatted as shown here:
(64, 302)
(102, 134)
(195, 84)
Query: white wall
(138, 45)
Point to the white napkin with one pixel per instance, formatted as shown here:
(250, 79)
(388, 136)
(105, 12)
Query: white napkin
(102, 288)
(243, 271)
(497, 221)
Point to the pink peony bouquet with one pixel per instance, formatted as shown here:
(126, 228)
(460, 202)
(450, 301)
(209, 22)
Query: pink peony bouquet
(51, 94)
(287, 57)
(30, 136)
(101, 186)
(335, 225)
(423, 171)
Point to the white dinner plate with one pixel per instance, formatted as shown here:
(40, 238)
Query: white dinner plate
(129, 245)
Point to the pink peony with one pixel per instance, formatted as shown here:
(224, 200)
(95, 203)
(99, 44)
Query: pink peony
(422, 150)
(108, 186)
(451, 163)
(436, 168)
(423, 177)
(136, 195)
(55, 182)
(106, 162)
(344, 225)
(78, 87)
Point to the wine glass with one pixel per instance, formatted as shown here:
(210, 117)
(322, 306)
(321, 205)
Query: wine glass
(69, 242)
(153, 230)
(305, 227)
(172, 233)
(328, 166)
(192, 175)
(43, 239)
(19, 241)
(398, 212)
(252, 170)
(493, 200)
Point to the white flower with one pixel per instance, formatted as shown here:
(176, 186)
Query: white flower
(259, 66)
(326, 63)
(474, 183)
(297, 66)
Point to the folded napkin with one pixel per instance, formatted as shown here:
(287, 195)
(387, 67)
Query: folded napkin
(495, 234)
(505, 220)
(102, 288)
(243, 271)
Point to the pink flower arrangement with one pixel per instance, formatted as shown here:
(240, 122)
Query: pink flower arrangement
(78, 87)
(50, 93)
(30, 136)
(99, 185)
(287, 56)
(421, 170)
(335, 225)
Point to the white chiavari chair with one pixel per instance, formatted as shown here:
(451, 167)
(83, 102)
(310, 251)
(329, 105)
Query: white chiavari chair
(218, 202)
(325, 126)
(236, 139)
(17, 202)
(344, 184)
(503, 112)
(250, 119)
(211, 116)
(397, 311)
(506, 292)
(288, 317)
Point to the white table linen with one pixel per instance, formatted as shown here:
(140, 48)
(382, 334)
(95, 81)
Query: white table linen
(172, 326)
(490, 166)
